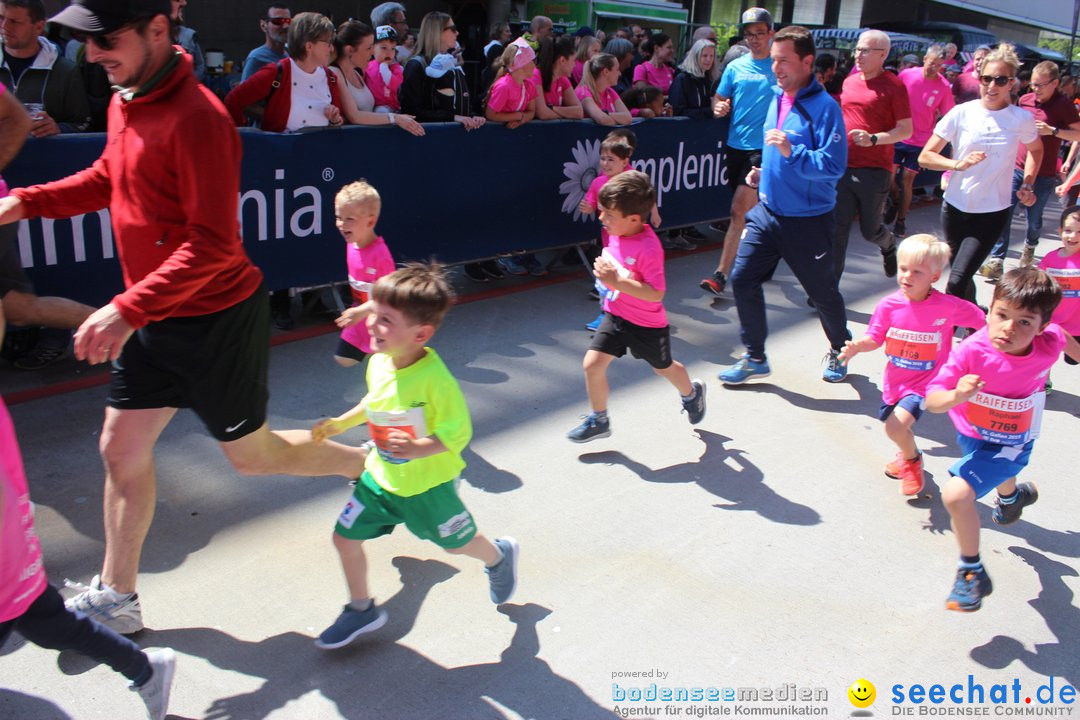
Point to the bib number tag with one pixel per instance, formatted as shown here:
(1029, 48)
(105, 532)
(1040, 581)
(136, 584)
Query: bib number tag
(1068, 279)
(1006, 421)
(912, 350)
(410, 422)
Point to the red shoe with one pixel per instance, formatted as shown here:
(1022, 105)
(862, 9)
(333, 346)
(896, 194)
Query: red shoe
(911, 476)
(892, 469)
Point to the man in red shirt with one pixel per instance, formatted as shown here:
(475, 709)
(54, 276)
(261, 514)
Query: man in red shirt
(191, 327)
(966, 86)
(1056, 119)
(876, 115)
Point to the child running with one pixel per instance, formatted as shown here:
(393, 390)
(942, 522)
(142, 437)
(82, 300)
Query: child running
(420, 424)
(631, 268)
(1063, 265)
(356, 211)
(992, 388)
(915, 324)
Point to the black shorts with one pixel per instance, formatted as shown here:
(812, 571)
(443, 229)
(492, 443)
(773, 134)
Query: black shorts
(739, 163)
(12, 275)
(215, 364)
(615, 335)
(346, 349)
(907, 156)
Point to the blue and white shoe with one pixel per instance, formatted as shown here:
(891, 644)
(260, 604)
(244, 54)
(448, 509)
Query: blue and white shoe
(743, 370)
(594, 325)
(502, 578)
(834, 371)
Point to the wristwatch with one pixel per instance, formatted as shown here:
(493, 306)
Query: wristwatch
(1027, 186)
(1054, 131)
(873, 139)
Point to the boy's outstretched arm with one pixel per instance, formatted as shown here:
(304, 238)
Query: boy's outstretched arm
(330, 427)
(944, 400)
(853, 347)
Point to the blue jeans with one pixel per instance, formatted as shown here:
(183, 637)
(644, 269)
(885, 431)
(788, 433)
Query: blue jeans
(1043, 188)
(805, 244)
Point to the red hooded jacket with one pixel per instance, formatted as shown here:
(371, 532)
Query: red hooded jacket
(257, 87)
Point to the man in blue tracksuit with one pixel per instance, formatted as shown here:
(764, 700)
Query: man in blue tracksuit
(805, 154)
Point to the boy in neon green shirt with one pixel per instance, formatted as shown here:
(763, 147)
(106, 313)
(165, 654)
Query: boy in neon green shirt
(419, 424)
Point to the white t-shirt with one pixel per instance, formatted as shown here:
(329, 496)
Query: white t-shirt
(986, 186)
(310, 96)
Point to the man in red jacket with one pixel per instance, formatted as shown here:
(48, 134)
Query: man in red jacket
(191, 327)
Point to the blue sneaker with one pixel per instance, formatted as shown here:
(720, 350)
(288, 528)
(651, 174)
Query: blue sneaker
(351, 624)
(591, 429)
(834, 371)
(512, 267)
(594, 325)
(743, 370)
(968, 591)
(503, 577)
(695, 406)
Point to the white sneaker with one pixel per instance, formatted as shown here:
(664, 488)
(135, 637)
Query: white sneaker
(155, 691)
(120, 613)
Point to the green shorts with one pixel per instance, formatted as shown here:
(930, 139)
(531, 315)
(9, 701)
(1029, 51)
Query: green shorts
(437, 515)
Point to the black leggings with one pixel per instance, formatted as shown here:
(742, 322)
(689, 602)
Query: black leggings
(971, 237)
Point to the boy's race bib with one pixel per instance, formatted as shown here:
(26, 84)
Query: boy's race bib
(1068, 279)
(1006, 421)
(912, 350)
(380, 423)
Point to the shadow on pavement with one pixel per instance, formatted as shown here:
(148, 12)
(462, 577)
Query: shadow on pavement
(16, 704)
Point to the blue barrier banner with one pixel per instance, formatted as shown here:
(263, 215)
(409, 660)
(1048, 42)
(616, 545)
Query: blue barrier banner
(451, 195)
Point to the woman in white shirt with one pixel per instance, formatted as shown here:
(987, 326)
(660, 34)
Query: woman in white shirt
(985, 135)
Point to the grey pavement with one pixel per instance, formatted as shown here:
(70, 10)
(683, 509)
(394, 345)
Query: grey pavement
(759, 549)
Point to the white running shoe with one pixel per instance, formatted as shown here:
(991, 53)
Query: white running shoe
(120, 613)
(155, 691)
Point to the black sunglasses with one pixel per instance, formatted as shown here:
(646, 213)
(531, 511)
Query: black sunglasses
(279, 21)
(999, 80)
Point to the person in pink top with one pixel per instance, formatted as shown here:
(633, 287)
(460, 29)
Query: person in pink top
(1063, 265)
(587, 48)
(915, 324)
(992, 388)
(599, 99)
(656, 71)
(631, 269)
(384, 72)
(512, 97)
(929, 98)
(33, 608)
(552, 78)
(356, 211)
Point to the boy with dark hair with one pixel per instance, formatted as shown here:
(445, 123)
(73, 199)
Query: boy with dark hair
(420, 425)
(992, 388)
(631, 271)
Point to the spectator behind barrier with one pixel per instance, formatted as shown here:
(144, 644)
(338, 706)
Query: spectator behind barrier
(646, 101)
(393, 14)
(500, 35)
(539, 28)
(557, 100)
(353, 45)
(692, 90)
(588, 47)
(383, 72)
(316, 92)
(275, 25)
(436, 91)
(512, 99)
(598, 97)
(49, 85)
(186, 38)
(96, 82)
(622, 50)
(656, 71)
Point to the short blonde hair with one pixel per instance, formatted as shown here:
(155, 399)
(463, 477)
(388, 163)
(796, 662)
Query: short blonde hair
(360, 193)
(1003, 53)
(925, 248)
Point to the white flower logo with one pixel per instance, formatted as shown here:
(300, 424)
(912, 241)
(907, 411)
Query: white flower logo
(580, 173)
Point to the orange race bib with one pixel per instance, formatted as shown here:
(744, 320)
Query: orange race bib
(361, 291)
(912, 350)
(1068, 279)
(1006, 421)
(380, 423)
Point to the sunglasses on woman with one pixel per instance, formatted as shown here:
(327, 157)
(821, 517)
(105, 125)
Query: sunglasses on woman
(999, 80)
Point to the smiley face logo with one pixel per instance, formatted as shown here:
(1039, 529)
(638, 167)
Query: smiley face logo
(861, 693)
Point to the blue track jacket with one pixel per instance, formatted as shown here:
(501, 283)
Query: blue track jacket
(805, 183)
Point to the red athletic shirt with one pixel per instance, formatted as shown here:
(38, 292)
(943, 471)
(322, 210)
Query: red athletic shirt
(170, 176)
(875, 106)
(1057, 112)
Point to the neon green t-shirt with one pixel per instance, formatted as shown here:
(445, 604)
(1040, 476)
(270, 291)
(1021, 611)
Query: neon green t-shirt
(423, 400)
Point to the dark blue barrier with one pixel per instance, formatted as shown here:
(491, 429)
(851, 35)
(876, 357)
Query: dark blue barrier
(451, 195)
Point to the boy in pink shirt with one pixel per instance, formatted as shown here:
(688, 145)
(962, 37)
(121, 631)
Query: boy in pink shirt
(631, 270)
(356, 210)
(992, 388)
(1063, 265)
(915, 324)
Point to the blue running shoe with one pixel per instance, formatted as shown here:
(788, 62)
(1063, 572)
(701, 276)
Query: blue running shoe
(743, 370)
(594, 325)
(835, 371)
(1026, 494)
(351, 624)
(503, 577)
(591, 429)
(695, 406)
(968, 591)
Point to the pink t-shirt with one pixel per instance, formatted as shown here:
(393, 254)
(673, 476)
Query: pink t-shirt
(608, 98)
(22, 574)
(637, 257)
(508, 96)
(386, 94)
(928, 98)
(786, 103)
(1066, 270)
(1008, 410)
(592, 195)
(917, 338)
(553, 97)
(366, 265)
(660, 77)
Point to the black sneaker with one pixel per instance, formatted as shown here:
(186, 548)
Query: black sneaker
(888, 260)
(695, 406)
(474, 273)
(968, 591)
(674, 241)
(714, 284)
(900, 228)
(40, 357)
(491, 269)
(1026, 494)
(693, 234)
(720, 226)
(591, 429)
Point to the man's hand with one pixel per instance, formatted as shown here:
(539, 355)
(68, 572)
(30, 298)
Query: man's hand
(1026, 197)
(779, 140)
(1043, 128)
(43, 126)
(11, 210)
(753, 177)
(860, 137)
(721, 108)
(101, 337)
